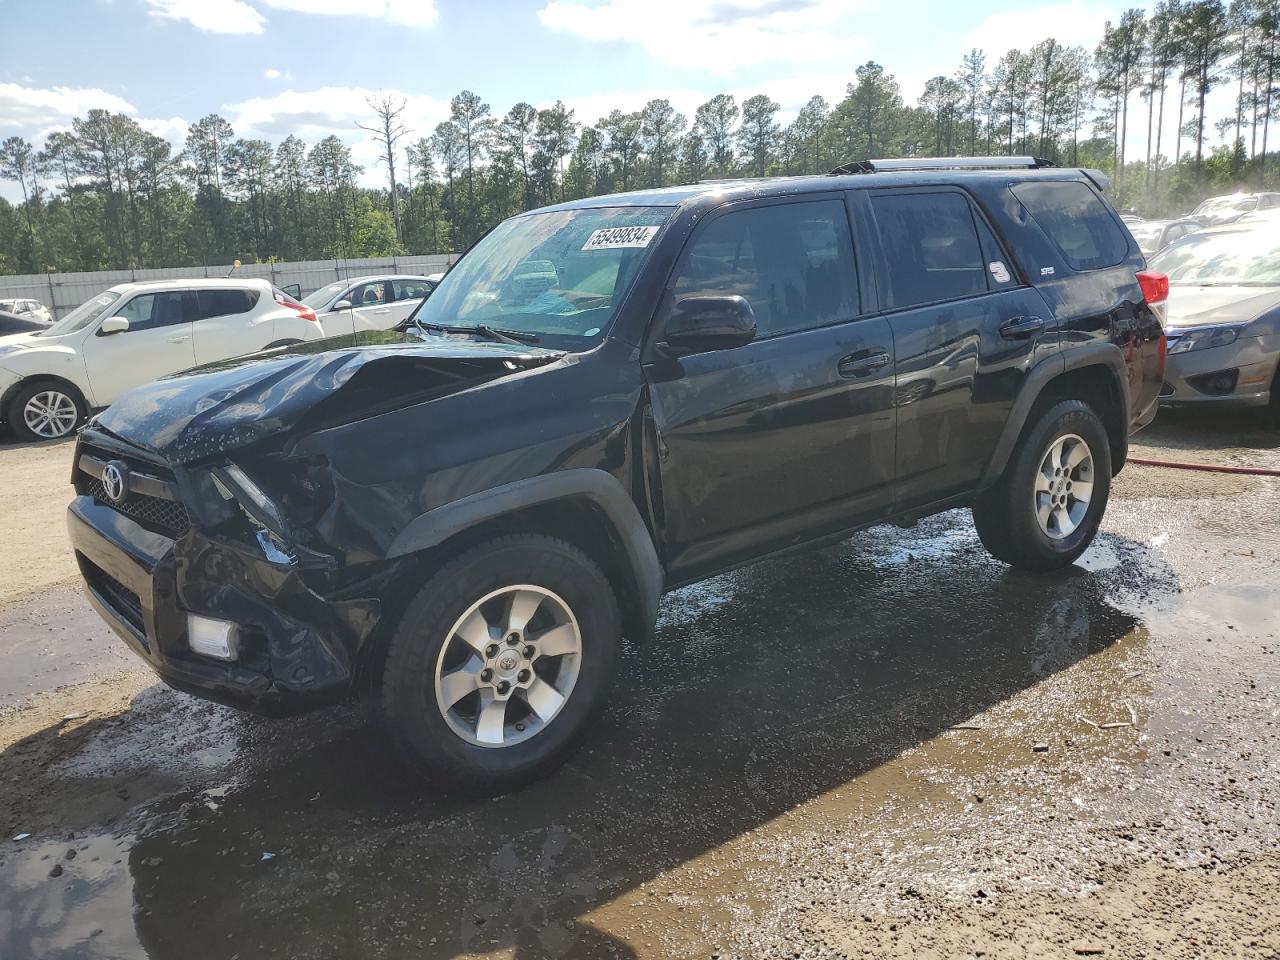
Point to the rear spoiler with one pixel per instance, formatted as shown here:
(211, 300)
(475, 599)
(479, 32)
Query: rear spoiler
(1100, 179)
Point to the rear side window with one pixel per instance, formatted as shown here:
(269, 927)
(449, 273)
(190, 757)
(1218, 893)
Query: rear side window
(221, 303)
(1077, 221)
(792, 262)
(931, 248)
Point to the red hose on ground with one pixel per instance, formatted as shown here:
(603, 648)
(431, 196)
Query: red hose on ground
(1207, 467)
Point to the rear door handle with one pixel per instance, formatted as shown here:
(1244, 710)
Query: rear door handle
(179, 339)
(860, 364)
(1019, 328)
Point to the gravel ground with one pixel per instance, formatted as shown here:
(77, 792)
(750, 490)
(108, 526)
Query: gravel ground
(894, 747)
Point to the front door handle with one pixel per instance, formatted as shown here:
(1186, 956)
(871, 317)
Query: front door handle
(383, 310)
(1019, 328)
(182, 339)
(860, 364)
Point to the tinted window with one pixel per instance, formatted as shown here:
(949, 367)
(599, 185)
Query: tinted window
(931, 248)
(221, 303)
(1077, 221)
(793, 262)
(159, 309)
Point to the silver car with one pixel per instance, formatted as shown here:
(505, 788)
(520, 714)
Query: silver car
(32, 310)
(368, 303)
(1224, 317)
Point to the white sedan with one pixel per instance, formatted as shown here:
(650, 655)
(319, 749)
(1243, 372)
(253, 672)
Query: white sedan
(135, 333)
(27, 310)
(369, 303)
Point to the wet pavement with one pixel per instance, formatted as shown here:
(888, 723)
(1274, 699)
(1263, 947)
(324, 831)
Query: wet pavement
(895, 746)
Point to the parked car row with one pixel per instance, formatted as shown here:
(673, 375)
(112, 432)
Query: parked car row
(52, 375)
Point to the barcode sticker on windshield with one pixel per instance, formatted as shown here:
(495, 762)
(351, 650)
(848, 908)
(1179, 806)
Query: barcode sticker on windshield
(611, 238)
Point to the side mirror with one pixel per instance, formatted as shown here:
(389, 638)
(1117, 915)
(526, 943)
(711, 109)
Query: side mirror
(698, 324)
(342, 305)
(113, 325)
(294, 290)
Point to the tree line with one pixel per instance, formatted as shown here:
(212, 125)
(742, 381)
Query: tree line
(107, 194)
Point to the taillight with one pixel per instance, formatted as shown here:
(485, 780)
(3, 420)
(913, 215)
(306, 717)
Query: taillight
(1155, 286)
(305, 312)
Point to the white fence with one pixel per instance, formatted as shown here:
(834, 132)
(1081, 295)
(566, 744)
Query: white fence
(63, 292)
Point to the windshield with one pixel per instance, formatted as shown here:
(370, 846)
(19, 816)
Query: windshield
(1147, 235)
(1241, 257)
(322, 296)
(557, 275)
(1223, 204)
(82, 316)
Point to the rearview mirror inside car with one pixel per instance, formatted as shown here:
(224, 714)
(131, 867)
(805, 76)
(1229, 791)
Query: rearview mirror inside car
(710, 323)
(113, 325)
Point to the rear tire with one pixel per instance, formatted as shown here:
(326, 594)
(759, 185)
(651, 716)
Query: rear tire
(1047, 507)
(499, 663)
(46, 410)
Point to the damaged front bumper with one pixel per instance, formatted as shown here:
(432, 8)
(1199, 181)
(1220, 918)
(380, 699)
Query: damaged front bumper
(296, 649)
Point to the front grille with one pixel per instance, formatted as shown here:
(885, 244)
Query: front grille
(163, 516)
(118, 597)
(158, 514)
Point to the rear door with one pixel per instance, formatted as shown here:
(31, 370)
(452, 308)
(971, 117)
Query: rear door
(158, 342)
(966, 330)
(231, 322)
(408, 293)
(790, 436)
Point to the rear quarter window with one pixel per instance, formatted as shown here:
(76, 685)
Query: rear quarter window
(1076, 221)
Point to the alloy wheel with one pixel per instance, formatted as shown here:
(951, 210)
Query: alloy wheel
(50, 414)
(1064, 486)
(508, 666)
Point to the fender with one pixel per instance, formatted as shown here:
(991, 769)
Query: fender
(1098, 353)
(602, 489)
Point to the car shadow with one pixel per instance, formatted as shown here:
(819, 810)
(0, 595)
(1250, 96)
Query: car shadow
(1208, 429)
(762, 689)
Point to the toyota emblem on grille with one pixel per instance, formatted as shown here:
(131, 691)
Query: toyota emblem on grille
(115, 480)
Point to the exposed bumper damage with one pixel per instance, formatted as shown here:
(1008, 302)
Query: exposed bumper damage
(297, 648)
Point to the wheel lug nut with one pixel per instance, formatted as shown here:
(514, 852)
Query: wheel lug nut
(503, 686)
(491, 650)
(529, 652)
(523, 676)
(486, 674)
(513, 639)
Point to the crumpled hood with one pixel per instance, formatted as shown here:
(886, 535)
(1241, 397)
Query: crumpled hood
(224, 406)
(1193, 306)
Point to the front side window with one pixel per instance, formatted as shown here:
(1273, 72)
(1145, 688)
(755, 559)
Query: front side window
(151, 310)
(792, 262)
(1077, 222)
(931, 248)
(558, 275)
(370, 294)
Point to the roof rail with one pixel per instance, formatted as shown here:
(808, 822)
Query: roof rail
(941, 163)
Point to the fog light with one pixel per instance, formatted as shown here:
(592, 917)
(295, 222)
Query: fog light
(213, 638)
(1215, 384)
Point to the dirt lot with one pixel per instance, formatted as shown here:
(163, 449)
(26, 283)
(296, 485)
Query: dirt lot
(892, 747)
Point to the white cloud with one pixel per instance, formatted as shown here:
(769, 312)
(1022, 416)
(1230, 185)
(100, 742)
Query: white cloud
(718, 36)
(271, 73)
(173, 129)
(26, 108)
(1071, 24)
(315, 114)
(211, 16)
(410, 13)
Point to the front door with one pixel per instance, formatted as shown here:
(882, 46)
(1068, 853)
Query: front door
(966, 328)
(158, 342)
(790, 436)
(371, 306)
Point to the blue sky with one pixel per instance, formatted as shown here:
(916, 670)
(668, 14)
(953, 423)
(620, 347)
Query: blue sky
(273, 67)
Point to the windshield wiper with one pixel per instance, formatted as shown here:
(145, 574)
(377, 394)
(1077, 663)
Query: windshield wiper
(519, 337)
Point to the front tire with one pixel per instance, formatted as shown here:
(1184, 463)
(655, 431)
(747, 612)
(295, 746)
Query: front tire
(1047, 507)
(499, 663)
(46, 410)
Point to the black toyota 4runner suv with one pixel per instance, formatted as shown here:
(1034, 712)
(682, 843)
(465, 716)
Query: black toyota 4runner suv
(605, 400)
